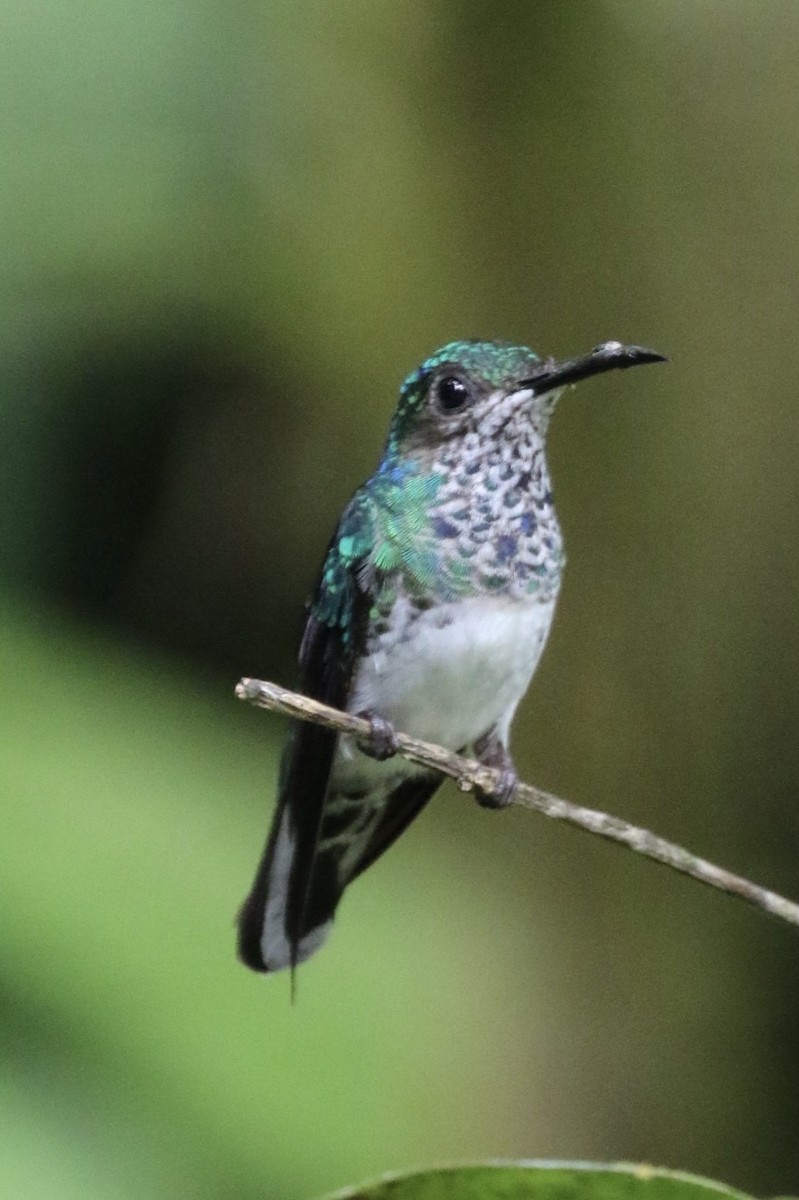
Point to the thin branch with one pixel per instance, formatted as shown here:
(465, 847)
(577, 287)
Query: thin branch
(471, 775)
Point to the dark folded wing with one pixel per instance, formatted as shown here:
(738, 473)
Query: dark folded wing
(278, 897)
(274, 921)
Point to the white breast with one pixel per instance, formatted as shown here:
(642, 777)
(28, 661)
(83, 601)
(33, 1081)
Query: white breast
(462, 669)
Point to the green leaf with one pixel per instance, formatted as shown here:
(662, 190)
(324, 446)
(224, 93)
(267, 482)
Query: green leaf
(542, 1181)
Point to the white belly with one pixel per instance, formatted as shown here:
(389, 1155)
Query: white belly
(463, 669)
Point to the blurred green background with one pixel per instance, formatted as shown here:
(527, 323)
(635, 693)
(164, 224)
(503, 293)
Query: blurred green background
(228, 231)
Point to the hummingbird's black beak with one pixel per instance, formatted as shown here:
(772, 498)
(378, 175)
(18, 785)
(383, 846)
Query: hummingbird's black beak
(610, 356)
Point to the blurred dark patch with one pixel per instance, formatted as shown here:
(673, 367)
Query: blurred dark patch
(124, 409)
(100, 431)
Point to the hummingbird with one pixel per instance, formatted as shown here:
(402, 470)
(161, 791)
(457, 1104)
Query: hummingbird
(433, 605)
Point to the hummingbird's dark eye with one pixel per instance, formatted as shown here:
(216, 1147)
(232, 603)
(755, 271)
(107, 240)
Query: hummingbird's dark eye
(451, 393)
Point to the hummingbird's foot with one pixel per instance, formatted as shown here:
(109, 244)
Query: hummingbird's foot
(381, 742)
(492, 752)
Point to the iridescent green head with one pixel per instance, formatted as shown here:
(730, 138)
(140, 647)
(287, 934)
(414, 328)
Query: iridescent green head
(476, 387)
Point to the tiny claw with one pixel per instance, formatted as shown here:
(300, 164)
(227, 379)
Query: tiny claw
(381, 742)
(502, 795)
(492, 752)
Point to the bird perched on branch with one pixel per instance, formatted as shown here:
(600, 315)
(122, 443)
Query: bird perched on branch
(432, 609)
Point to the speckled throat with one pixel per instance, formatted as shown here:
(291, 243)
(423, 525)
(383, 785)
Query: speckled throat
(476, 520)
(493, 515)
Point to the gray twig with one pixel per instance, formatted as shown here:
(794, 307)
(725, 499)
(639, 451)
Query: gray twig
(470, 775)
